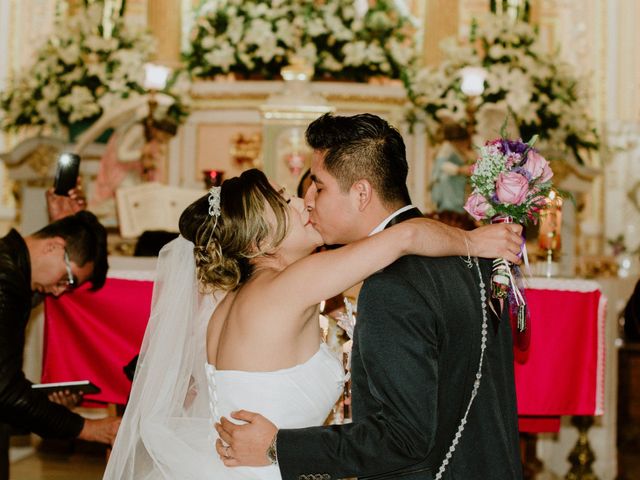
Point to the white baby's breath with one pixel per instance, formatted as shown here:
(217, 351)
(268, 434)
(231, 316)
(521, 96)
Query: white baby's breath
(265, 35)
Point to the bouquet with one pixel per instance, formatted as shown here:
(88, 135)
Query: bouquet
(510, 181)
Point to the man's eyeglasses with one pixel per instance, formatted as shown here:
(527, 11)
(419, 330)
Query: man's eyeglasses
(70, 280)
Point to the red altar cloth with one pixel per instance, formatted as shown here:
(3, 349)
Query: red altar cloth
(562, 372)
(93, 335)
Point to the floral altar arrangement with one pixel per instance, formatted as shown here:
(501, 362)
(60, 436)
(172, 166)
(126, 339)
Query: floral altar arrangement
(81, 72)
(340, 39)
(538, 89)
(511, 182)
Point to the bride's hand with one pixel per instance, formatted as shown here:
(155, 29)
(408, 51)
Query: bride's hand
(496, 241)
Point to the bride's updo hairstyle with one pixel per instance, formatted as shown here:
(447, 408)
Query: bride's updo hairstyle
(225, 244)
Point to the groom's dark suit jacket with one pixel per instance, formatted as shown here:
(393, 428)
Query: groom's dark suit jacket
(415, 357)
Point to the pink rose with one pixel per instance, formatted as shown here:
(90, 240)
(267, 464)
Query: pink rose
(477, 206)
(538, 167)
(512, 188)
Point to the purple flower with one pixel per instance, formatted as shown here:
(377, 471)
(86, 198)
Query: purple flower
(523, 171)
(513, 146)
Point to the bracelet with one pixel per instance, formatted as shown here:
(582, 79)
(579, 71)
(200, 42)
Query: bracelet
(467, 260)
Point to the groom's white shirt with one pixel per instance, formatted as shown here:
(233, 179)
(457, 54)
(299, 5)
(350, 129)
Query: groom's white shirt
(383, 224)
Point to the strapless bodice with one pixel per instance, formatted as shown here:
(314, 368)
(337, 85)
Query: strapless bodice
(296, 397)
(300, 396)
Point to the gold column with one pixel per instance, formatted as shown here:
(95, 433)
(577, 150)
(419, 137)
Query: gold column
(164, 19)
(581, 457)
(441, 21)
(73, 6)
(535, 9)
(627, 43)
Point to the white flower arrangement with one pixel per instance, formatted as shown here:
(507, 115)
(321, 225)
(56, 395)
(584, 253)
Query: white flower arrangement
(539, 90)
(256, 38)
(79, 73)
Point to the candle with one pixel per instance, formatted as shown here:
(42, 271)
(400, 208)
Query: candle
(550, 223)
(213, 178)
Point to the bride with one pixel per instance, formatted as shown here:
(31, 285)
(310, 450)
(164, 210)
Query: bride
(234, 325)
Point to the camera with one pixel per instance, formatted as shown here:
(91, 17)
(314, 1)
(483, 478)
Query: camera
(66, 173)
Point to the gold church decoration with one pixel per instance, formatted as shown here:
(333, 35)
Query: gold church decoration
(549, 233)
(38, 153)
(41, 159)
(581, 456)
(245, 148)
(164, 21)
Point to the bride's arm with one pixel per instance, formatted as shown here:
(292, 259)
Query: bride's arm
(320, 276)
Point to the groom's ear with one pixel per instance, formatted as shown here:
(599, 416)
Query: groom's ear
(363, 192)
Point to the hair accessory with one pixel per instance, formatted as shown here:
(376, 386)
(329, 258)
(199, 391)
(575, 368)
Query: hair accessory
(467, 260)
(214, 201)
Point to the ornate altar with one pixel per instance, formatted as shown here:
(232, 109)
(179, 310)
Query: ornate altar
(227, 114)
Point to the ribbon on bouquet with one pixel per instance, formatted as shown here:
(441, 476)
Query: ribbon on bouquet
(508, 283)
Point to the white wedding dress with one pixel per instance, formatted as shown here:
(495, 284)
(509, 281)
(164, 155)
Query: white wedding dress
(300, 396)
(167, 430)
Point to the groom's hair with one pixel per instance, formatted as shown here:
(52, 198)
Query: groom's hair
(363, 146)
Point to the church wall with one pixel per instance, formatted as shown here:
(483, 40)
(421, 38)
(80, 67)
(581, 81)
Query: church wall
(622, 177)
(441, 20)
(4, 54)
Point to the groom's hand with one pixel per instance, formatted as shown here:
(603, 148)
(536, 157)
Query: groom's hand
(245, 445)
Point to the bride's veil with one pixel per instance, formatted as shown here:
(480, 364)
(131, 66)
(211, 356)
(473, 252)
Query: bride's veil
(169, 398)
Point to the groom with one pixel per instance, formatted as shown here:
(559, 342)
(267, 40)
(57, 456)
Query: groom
(417, 343)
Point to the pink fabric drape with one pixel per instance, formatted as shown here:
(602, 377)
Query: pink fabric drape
(561, 372)
(93, 335)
